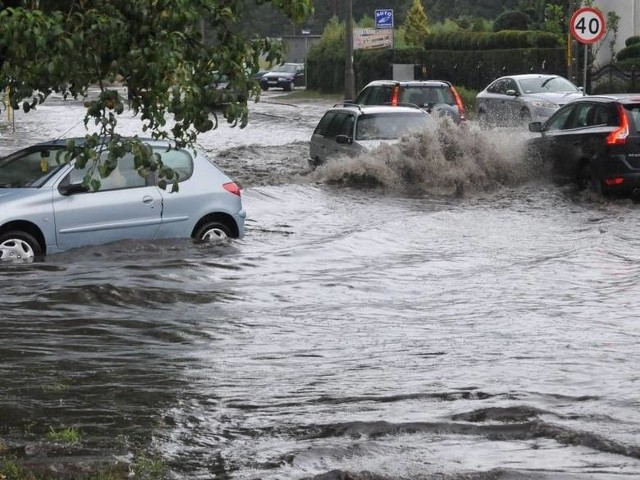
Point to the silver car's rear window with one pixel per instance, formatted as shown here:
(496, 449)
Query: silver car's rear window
(385, 126)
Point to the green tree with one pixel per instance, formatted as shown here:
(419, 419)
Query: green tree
(155, 48)
(415, 25)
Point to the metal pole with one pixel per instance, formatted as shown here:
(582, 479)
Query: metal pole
(306, 71)
(349, 80)
(584, 73)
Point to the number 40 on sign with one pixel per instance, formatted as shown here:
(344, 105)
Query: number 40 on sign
(588, 25)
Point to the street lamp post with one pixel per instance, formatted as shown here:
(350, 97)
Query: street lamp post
(349, 77)
(306, 45)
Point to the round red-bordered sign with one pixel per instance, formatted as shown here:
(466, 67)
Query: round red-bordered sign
(588, 25)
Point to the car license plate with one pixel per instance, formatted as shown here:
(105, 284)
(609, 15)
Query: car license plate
(272, 82)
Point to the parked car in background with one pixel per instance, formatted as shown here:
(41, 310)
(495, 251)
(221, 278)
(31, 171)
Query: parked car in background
(286, 76)
(520, 99)
(594, 141)
(349, 129)
(44, 207)
(433, 96)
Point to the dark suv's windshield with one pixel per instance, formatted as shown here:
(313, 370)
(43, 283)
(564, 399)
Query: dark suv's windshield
(29, 168)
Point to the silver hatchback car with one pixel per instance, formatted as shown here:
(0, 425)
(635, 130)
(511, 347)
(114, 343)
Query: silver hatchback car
(520, 99)
(45, 209)
(349, 129)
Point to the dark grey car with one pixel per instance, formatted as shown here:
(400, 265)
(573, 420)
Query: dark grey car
(594, 141)
(433, 96)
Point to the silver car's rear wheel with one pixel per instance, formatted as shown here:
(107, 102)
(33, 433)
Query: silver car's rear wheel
(16, 245)
(212, 232)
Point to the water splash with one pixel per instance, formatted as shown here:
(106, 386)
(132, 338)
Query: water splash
(444, 158)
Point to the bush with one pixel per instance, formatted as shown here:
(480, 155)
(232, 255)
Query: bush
(468, 97)
(511, 20)
(632, 40)
(632, 51)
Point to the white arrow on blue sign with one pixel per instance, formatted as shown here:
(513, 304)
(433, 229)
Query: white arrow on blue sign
(384, 18)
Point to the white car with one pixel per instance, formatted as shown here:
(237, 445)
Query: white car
(349, 129)
(521, 99)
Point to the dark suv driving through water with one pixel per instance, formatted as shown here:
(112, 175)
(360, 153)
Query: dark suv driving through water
(432, 96)
(594, 141)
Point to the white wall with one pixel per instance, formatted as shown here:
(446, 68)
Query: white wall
(628, 25)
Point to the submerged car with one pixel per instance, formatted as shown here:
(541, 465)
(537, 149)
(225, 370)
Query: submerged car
(349, 129)
(520, 99)
(45, 208)
(433, 96)
(286, 76)
(594, 141)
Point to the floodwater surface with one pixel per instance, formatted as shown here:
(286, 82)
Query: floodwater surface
(437, 309)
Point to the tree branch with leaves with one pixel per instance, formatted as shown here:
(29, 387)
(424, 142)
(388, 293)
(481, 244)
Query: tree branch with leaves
(155, 48)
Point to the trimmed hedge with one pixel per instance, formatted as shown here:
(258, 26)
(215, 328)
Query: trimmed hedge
(506, 39)
(473, 69)
(632, 40)
(511, 20)
(632, 51)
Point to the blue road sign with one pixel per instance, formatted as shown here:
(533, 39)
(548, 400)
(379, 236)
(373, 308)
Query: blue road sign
(384, 18)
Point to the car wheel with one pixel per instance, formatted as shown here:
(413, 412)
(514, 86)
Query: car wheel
(17, 245)
(264, 87)
(212, 231)
(289, 87)
(587, 180)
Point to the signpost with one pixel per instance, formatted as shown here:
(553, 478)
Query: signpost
(587, 26)
(306, 34)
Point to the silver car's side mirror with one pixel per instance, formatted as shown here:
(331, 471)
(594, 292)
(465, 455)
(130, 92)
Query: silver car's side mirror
(512, 93)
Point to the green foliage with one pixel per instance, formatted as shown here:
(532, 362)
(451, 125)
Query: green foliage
(12, 469)
(632, 51)
(415, 24)
(155, 48)
(554, 19)
(506, 39)
(468, 97)
(511, 20)
(446, 26)
(65, 435)
(366, 21)
(149, 467)
(632, 40)
(325, 61)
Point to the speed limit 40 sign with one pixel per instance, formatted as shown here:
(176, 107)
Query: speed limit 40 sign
(588, 25)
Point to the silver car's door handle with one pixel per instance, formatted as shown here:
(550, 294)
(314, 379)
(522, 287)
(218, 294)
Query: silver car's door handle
(147, 199)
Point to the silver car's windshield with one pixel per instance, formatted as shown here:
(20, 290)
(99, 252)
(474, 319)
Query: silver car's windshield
(29, 168)
(386, 126)
(547, 84)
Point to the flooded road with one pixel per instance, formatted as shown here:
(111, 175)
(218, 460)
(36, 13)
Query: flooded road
(414, 314)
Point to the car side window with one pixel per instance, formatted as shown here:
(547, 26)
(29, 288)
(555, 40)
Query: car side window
(510, 84)
(125, 175)
(337, 125)
(380, 95)
(498, 86)
(558, 120)
(322, 127)
(581, 116)
(178, 160)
